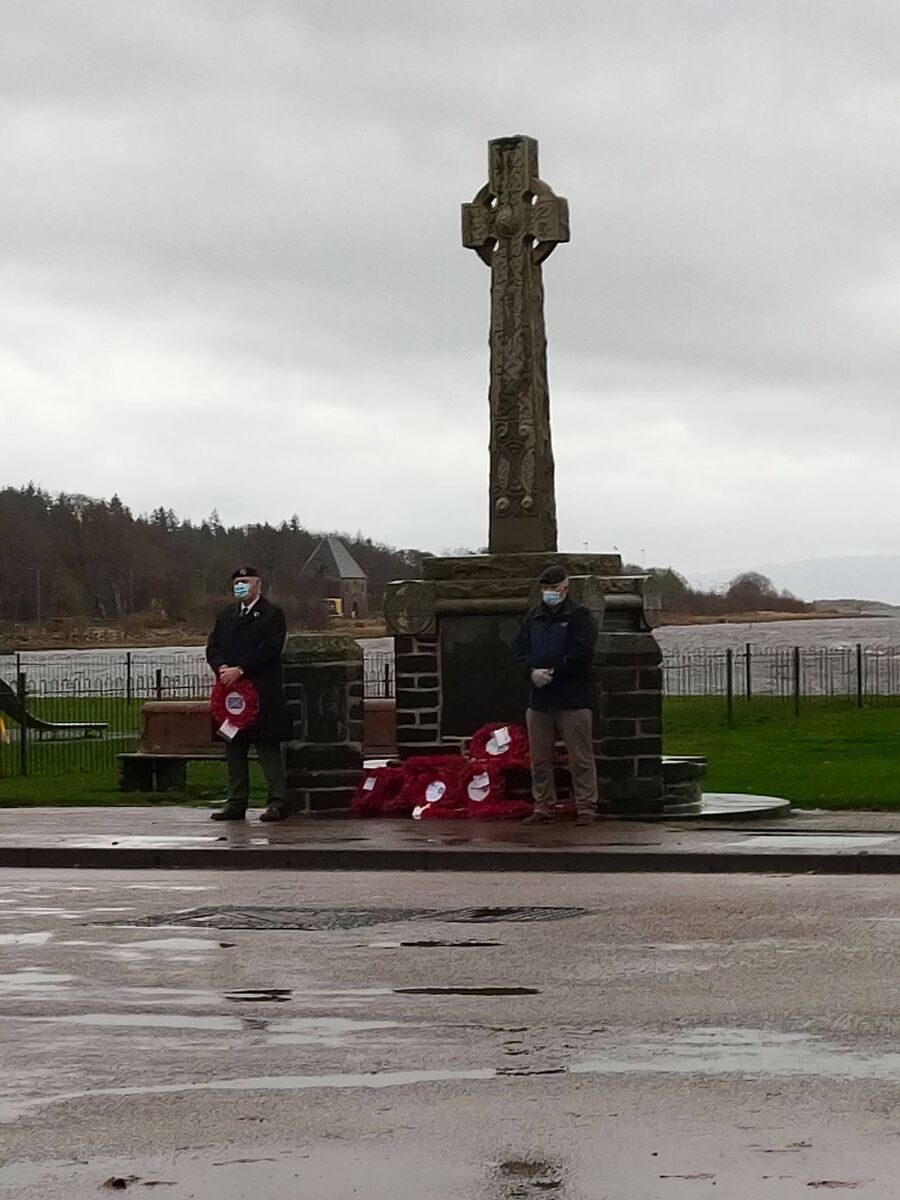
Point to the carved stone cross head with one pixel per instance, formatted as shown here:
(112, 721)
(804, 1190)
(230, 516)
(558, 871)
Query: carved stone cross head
(514, 203)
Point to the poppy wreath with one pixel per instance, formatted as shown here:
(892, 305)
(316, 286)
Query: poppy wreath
(238, 703)
(433, 788)
(506, 745)
(485, 790)
(375, 791)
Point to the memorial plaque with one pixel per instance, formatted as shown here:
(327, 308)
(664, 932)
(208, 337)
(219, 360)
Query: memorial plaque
(480, 679)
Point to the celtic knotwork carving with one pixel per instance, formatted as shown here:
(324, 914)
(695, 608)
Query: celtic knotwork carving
(527, 478)
(502, 501)
(514, 223)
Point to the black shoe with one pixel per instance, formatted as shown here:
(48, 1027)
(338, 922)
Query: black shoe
(539, 817)
(229, 812)
(277, 810)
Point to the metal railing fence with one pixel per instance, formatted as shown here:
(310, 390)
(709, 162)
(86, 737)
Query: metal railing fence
(860, 674)
(81, 711)
(84, 709)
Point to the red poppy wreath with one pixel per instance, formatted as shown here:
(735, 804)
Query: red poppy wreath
(234, 708)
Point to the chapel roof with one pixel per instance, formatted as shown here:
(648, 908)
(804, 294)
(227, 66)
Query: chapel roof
(332, 559)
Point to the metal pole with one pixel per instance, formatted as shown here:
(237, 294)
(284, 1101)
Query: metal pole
(748, 678)
(22, 696)
(860, 680)
(128, 681)
(387, 680)
(796, 681)
(729, 684)
(159, 683)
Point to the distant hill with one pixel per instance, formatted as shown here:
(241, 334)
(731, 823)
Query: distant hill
(870, 577)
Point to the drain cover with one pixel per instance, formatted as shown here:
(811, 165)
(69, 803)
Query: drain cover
(341, 918)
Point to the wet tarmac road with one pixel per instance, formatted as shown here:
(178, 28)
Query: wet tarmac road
(681, 1036)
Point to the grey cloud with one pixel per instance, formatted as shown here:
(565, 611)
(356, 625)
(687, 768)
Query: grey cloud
(210, 205)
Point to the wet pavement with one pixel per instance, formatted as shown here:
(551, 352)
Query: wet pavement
(597, 1036)
(839, 843)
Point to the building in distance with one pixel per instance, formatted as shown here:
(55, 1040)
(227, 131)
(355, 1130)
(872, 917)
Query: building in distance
(339, 579)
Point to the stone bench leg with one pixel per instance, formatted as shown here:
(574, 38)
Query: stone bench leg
(135, 775)
(170, 776)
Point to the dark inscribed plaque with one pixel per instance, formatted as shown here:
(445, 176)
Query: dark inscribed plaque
(481, 682)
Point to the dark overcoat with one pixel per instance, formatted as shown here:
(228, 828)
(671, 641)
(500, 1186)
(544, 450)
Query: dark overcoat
(255, 643)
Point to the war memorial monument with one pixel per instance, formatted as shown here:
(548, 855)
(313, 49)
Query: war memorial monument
(454, 628)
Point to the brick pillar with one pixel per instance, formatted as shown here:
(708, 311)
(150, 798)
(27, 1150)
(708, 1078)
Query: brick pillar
(418, 695)
(629, 760)
(323, 677)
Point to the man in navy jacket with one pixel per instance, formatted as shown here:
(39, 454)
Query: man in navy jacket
(555, 646)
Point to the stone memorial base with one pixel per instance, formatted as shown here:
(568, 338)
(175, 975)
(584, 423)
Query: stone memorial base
(456, 671)
(323, 685)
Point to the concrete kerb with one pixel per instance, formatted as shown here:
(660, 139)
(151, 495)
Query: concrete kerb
(449, 859)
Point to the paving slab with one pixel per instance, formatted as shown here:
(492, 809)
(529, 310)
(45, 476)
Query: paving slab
(167, 836)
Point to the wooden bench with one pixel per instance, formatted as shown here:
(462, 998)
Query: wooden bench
(173, 734)
(152, 771)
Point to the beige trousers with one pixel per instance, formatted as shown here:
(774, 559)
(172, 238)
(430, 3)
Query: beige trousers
(575, 726)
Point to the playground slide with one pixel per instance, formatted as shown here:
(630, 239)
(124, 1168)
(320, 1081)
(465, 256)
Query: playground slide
(10, 707)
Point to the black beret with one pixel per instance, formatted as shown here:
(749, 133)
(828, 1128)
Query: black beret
(555, 573)
(244, 572)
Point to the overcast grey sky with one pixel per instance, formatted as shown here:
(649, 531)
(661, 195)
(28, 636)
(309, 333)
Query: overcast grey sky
(231, 273)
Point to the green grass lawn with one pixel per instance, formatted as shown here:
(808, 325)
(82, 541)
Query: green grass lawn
(115, 711)
(206, 785)
(832, 756)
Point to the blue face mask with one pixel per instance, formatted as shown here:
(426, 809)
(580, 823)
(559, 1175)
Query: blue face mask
(242, 590)
(551, 599)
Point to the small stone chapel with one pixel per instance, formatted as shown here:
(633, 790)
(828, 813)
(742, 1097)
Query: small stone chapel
(341, 576)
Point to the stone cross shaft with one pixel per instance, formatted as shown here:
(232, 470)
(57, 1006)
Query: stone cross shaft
(513, 224)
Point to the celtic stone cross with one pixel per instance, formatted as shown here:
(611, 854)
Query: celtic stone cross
(513, 224)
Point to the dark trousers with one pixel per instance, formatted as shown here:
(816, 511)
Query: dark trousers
(575, 727)
(272, 763)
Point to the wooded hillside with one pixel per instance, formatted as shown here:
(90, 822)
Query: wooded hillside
(74, 556)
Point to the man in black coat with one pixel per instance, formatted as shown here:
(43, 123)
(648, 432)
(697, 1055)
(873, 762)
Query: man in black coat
(246, 643)
(555, 647)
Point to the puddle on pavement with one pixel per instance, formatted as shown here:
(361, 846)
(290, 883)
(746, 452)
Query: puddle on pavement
(330, 1025)
(260, 995)
(62, 914)
(516, 1072)
(172, 949)
(145, 1021)
(751, 1052)
(136, 842)
(700, 1051)
(34, 981)
(324, 1031)
(428, 945)
(294, 1031)
(466, 991)
(297, 1030)
(171, 943)
(167, 887)
(11, 1110)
